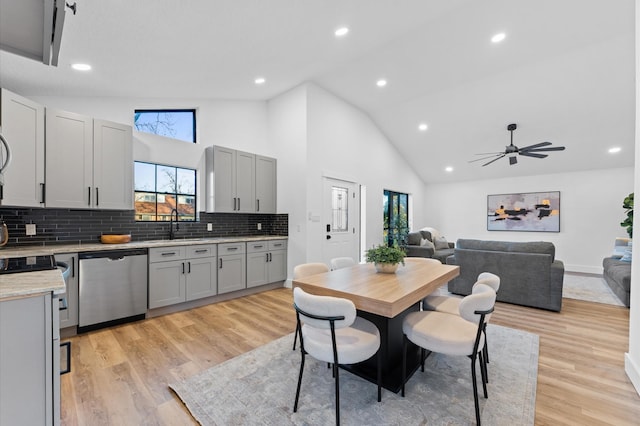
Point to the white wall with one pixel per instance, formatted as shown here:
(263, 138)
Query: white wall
(590, 212)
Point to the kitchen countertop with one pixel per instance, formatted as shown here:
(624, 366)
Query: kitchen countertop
(83, 247)
(30, 283)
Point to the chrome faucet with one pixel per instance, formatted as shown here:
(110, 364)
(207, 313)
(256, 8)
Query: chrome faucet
(171, 233)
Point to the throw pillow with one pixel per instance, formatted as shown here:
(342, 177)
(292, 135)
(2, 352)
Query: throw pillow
(427, 243)
(441, 243)
(626, 257)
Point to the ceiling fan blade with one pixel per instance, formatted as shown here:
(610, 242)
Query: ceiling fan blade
(553, 148)
(490, 153)
(495, 159)
(484, 158)
(532, 154)
(513, 160)
(538, 145)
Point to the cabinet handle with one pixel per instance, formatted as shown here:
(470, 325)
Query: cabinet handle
(257, 205)
(97, 197)
(42, 185)
(202, 251)
(270, 257)
(267, 254)
(168, 253)
(258, 246)
(232, 248)
(235, 203)
(73, 266)
(220, 260)
(183, 268)
(189, 270)
(277, 244)
(238, 203)
(89, 195)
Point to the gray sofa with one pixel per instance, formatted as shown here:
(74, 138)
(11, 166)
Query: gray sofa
(421, 244)
(529, 273)
(617, 274)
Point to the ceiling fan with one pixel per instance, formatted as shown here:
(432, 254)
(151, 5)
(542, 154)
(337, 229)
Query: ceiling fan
(511, 150)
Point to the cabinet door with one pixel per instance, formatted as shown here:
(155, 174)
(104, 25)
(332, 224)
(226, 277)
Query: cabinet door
(22, 124)
(112, 166)
(265, 184)
(224, 179)
(245, 182)
(231, 273)
(69, 159)
(257, 271)
(277, 265)
(166, 283)
(69, 316)
(201, 278)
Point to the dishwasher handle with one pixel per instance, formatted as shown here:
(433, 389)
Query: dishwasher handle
(112, 254)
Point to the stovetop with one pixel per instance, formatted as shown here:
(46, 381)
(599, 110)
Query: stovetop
(13, 265)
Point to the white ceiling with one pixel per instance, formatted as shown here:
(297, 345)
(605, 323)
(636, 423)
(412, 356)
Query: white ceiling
(564, 74)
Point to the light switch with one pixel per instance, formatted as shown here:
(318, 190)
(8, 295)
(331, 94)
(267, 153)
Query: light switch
(209, 226)
(30, 229)
(259, 227)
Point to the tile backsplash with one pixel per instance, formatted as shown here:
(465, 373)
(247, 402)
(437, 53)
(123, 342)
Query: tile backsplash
(67, 226)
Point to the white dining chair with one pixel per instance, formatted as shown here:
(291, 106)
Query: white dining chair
(330, 331)
(305, 270)
(341, 262)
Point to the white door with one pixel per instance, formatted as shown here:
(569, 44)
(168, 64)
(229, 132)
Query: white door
(341, 220)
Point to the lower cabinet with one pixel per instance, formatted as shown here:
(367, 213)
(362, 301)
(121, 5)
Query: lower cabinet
(232, 261)
(266, 262)
(69, 316)
(181, 273)
(29, 361)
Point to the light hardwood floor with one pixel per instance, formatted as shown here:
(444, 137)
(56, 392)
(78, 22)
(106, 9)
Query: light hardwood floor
(120, 375)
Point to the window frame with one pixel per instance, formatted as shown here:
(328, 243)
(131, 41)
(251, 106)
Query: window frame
(391, 234)
(168, 110)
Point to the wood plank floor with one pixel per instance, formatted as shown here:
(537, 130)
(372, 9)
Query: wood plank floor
(120, 375)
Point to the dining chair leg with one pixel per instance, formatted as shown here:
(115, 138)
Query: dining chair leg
(486, 347)
(404, 362)
(295, 404)
(483, 373)
(475, 389)
(423, 356)
(295, 338)
(335, 372)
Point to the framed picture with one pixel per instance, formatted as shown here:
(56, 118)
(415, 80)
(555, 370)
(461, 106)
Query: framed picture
(529, 211)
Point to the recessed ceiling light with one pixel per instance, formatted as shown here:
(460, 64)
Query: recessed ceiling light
(259, 80)
(381, 83)
(498, 37)
(615, 150)
(81, 67)
(423, 127)
(448, 169)
(340, 32)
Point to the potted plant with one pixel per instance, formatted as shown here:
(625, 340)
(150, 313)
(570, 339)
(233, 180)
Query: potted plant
(627, 204)
(386, 258)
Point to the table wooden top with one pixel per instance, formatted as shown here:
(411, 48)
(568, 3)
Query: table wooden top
(382, 294)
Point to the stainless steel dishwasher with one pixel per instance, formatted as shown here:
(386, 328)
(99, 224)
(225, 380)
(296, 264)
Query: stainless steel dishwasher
(113, 288)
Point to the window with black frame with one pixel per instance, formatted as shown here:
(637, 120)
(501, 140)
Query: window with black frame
(396, 217)
(171, 123)
(159, 189)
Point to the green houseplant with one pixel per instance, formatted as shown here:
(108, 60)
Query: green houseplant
(627, 204)
(386, 258)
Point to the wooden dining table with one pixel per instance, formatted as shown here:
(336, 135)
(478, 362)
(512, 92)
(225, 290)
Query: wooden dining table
(385, 300)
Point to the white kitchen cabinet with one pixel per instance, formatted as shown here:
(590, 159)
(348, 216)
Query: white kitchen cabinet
(265, 184)
(22, 123)
(181, 273)
(89, 163)
(266, 262)
(69, 316)
(232, 272)
(29, 361)
(232, 175)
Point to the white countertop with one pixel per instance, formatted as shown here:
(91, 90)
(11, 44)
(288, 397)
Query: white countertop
(28, 283)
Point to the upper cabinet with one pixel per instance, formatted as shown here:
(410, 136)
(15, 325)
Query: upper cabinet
(89, 163)
(239, 182)
(22, 124)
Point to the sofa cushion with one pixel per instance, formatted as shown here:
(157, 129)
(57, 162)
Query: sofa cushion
(427, 243)
(426, 235)
(414, 238)
(441, 243)
(618, 271)
(540, 247)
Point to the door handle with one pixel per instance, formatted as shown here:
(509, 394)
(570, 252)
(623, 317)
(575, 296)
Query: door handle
(328, 237)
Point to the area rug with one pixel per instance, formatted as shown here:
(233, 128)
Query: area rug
(258, 388)
(591, 288)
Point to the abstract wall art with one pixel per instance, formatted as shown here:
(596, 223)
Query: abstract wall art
(529, 211)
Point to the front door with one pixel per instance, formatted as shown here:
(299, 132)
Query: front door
(341, 220)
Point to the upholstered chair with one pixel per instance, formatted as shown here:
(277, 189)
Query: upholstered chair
(341, 262)
(331, 332)
(448, 334)
(305, 270)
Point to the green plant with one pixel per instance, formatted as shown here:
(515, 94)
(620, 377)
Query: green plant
(385, 254)
(628, 222)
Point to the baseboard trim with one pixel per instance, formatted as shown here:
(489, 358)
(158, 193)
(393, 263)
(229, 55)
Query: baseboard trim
(633, 372)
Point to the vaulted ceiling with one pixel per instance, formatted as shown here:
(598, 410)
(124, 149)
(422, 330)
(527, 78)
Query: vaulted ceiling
(565, 72)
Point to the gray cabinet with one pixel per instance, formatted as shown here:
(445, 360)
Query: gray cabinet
(181, 273)
(239, 182)
(266, 262)
(69, 316)
(29, 361)
(89, 163)
(265, 184)
(22, 122)
(232, 273)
